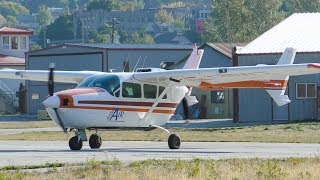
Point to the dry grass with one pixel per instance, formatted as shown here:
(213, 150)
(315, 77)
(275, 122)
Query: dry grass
(290, 168)
(27, 124)
(298, 133)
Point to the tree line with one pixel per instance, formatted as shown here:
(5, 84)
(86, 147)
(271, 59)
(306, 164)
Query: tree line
(244, 20)
(230, 20)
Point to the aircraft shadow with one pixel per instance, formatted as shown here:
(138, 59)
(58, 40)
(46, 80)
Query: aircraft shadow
(118, 150)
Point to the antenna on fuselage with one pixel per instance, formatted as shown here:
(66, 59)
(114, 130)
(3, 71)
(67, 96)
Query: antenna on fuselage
(144, 61)
(126, 63)
(136, 64)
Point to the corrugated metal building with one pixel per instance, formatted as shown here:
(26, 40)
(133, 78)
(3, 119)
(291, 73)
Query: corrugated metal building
(219, 103)
(302, 32)
(74, 57)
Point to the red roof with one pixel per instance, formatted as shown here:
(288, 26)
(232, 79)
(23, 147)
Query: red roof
(8, 30)
(11, 61)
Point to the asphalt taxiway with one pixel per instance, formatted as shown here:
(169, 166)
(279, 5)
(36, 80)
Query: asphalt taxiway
(41, 152)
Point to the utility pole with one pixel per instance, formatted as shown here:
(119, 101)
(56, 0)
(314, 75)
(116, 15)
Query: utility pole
(113, 26)
(229, 29)
(82, 27)
(44, 37)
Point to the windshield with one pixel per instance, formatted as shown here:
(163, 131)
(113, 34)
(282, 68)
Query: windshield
(110, 83)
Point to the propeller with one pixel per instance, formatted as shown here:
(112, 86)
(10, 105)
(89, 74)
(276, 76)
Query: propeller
(51, 91)
(185, 108)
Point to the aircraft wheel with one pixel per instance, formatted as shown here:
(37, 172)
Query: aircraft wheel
(174, 141)
(95, 141)
(75, 144)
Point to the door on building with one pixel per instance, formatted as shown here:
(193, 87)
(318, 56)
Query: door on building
(280, 113)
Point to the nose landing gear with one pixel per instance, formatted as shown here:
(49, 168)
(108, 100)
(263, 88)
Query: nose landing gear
(76, 142)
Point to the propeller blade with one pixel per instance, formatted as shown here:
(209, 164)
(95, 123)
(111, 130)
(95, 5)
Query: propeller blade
(60, 121)
(51, 79)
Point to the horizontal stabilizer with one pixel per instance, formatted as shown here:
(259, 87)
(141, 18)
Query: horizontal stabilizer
(278, 97)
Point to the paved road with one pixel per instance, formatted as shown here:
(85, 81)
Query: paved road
(40, 152)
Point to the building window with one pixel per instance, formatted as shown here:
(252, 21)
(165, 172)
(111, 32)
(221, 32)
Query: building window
(306, 90)
(23, 43)
(217, 97)
(5, 41)
(35, 96)
(14, 42)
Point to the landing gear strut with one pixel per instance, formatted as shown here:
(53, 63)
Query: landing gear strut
(95, 141)
(174, 141)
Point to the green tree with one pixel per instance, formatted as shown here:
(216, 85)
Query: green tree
(163, 16)
(241, 20)
(96, 37)
(143, 38)
(3, 21)
(44, 17)
(60, 29)
(265, 14)
(11, 10)
(107, 5)
(302, 6)
(34, 47)
(132, 5)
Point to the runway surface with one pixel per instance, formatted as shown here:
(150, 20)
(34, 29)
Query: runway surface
(41, 152)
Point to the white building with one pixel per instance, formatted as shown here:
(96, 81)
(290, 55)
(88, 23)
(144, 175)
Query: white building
(13, 44)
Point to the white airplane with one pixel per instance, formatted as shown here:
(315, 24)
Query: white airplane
(147, 98)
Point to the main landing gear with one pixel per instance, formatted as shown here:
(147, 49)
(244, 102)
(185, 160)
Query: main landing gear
(174, 141)
(76, 142)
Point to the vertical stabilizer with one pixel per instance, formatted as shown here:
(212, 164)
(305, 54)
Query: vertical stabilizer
(194, 59)
(279, 95)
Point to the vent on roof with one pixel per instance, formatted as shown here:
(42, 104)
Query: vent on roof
(149, 70)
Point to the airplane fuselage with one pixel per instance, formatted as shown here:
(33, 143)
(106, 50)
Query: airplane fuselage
(93, 105)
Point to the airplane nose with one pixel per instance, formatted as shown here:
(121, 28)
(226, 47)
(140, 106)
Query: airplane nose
(52, 102)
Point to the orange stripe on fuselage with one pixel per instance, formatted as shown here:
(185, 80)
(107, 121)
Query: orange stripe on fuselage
(271, 84)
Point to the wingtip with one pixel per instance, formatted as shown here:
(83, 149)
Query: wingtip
(314, 65)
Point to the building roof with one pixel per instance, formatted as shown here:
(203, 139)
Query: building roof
(300, 31)
(134, 46)
(6, 60)
(224, 48)
(8, 30)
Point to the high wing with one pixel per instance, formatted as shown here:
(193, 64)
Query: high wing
(38, 75)
(273, 78)
(263, 76)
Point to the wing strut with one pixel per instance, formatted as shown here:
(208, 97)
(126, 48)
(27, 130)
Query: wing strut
(153, 107)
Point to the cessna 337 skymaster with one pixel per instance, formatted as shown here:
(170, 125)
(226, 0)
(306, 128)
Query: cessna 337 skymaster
(148, 97)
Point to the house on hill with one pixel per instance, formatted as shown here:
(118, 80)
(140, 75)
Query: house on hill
(13, 44)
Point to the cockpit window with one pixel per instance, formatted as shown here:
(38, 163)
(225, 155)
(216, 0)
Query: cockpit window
(131, 90)
(110, 83)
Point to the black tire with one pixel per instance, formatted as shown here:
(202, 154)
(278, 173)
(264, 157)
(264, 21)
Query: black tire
(95, 141)
(174, 141)
(74, 144)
